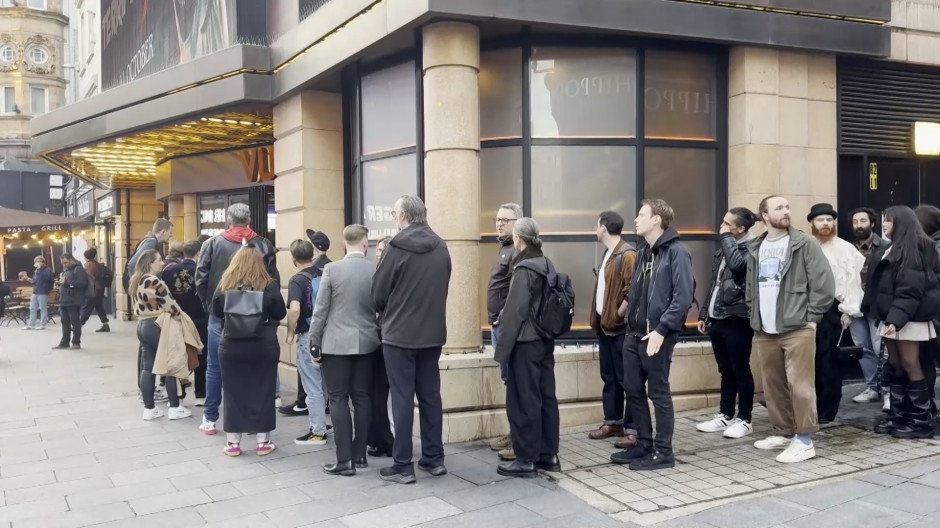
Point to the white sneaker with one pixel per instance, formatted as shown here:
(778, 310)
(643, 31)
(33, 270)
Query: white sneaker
(159, 394)
(27, 327)
(152, 414)
(717, 424)
(277, 401)
(797, 452)
(41, 327)
(867, 396)
(207, 427)
(886, 406)
(738, 429)
(772, 442)
(200, 402)
(178, 413)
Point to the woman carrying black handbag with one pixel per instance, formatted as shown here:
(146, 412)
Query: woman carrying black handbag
(250, 305)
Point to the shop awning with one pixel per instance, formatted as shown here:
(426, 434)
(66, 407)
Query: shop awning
(14, 222)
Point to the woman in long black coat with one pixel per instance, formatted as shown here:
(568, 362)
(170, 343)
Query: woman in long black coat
(249, 366)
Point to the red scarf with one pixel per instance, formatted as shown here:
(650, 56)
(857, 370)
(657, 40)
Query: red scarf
(237, 234)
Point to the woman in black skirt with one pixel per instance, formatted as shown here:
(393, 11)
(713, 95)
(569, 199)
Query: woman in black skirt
(249, 366)
(380, 429)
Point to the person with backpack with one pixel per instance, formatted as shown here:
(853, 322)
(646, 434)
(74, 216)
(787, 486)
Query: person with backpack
(181, 279)
(249, 305)
(725, 321)
(661, 294)
(101, 278)
(161, 233)
(608, 309)
(409, 290)
(528, 352)
(301, 295)
(214, 260)
(74, 287)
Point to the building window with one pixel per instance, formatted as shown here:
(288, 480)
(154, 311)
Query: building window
(36, 4)
(7, 53)
(9, 100)
(38, 100)
(37, 54)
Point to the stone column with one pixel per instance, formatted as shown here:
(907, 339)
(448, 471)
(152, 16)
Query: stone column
(175, 206)
(190, 217)
(451, 60)
(308, 189)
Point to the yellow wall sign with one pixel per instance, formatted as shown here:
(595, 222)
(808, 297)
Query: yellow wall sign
(873, 176)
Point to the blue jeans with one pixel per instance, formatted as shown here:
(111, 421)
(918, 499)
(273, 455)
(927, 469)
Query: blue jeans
(38, 302)
(213, 371)
(503, 367)
(312, 378)
(865, 334)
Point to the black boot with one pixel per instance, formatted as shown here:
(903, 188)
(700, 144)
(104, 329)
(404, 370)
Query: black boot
(916, 422)
(548, 462)
(517, 468)
(898, 388)
(345, 469)
(104, 328)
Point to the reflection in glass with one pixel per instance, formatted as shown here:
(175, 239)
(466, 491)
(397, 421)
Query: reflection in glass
(500, 182)
(383, 183)
(685, 178)
(501, 94)
(571, 185)
(703, 253)
(389, 109)
(583, 92)
(681, 95)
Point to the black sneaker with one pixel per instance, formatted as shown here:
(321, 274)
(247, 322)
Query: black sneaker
(629, 455)
(104, 328)
(548, 463)
(311, 439)
(654, 461)
(293, 410)
(398, 476)
(435, 471)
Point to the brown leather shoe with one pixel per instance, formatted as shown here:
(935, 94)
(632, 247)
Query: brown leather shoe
(606, 431)
(507, 454)
(626, 442)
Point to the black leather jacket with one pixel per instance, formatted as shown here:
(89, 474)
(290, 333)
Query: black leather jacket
(215, 257)
(730, 301)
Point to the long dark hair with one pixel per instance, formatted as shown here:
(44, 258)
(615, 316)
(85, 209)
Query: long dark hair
(910, 246)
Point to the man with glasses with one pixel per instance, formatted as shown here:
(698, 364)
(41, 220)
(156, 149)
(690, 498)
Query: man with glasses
(496, 293)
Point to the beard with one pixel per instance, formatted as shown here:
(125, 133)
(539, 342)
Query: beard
(781, 223)
(825, 234)
(862, 233)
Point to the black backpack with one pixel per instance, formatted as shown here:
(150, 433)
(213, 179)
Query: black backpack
(104, 276)
(555, 312)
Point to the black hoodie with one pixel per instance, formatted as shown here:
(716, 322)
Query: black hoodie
(661, 293)
(409, 289)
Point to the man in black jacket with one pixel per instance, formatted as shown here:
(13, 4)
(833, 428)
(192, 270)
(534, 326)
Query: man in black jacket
(160, 234)
(660, 297)
(72, 293)
(410, 292)
(214, 259)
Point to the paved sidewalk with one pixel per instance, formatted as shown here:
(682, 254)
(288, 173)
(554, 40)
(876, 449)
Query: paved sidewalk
(75, 452)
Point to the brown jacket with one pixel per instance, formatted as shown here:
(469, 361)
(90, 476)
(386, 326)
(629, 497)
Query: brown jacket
(617, 288)
(91, 268)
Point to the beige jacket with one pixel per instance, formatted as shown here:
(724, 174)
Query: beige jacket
(177, 334)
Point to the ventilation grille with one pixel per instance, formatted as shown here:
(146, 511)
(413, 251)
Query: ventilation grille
(880, 101)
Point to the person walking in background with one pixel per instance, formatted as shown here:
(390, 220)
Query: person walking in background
(496, 292)
(661, 294)
(151, 298)
(248, 363)
(789, 288)
(864, 330)
(95, 303)
(214, 260)
(344, 330)
(903, 294)
(531, 402)
(380, 429)
(42, 281)
(181, 279)
(73, 287)
(929, 218)
(725, 321)
(608, 313)
(846, 264)
(409, 290)
(300, 298)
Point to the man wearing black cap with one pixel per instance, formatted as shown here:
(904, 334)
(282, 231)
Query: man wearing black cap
(846, 263)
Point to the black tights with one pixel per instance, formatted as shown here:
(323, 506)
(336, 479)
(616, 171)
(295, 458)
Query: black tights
(149, 335)
(904, 356)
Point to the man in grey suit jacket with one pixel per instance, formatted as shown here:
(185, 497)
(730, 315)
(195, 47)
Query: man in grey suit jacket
(345, 331)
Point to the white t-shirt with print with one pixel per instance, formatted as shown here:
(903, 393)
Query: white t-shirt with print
(771, 259)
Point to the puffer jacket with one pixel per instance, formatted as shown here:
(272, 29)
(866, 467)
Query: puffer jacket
(899, 296)
(525, 292)
(730, 301)
(74, 285)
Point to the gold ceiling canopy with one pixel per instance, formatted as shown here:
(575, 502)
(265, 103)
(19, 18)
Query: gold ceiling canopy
(131, 161)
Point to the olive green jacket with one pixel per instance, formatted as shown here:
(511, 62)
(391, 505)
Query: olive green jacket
(807, 286)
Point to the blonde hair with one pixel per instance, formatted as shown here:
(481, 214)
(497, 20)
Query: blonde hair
(246, 269)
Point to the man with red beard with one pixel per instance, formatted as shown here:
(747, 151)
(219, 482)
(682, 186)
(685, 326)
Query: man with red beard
(846, 262)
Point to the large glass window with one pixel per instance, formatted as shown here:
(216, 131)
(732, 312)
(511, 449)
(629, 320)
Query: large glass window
(389, 121)
(681, 95)
(695, 199)
(501, 94)
(503, 169)
(383, 182)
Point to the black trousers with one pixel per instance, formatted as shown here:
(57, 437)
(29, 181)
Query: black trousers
(349, 377)
(640, 370)
(200, 373)
(71, 325)
(928, 363)
(415, 373)
(95, 304)
(828, 370)
(613, 396)
(531, 403)
(380, 430)
(731, 341)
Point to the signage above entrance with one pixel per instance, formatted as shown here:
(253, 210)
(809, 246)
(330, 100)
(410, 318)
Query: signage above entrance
(108, 206)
